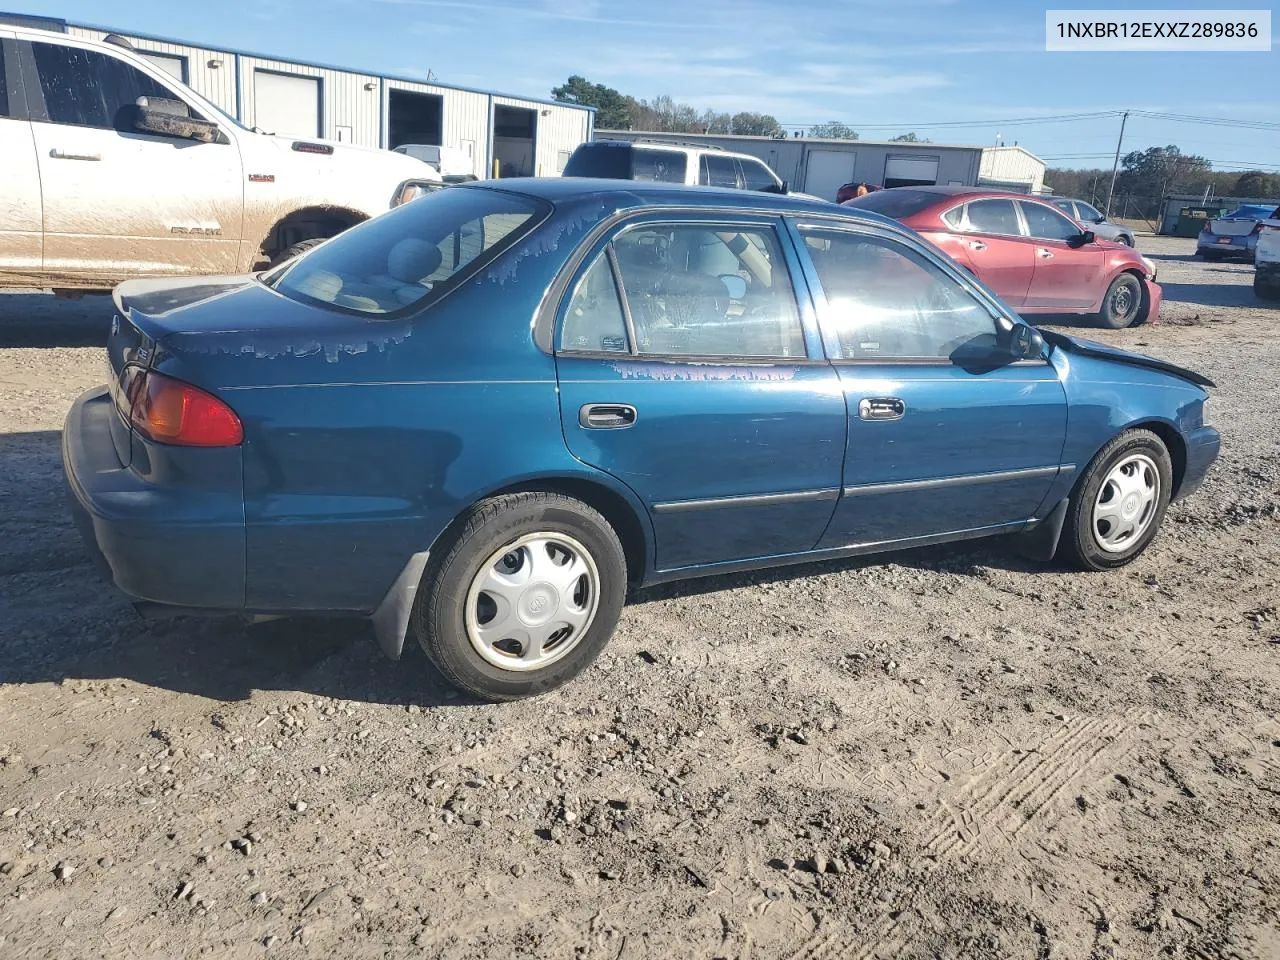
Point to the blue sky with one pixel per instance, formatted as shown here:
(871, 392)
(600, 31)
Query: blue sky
(883, 66)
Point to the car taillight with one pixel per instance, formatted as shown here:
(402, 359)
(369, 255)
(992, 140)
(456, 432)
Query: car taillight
(1208, 227)
(169, 411)
(1257, 228)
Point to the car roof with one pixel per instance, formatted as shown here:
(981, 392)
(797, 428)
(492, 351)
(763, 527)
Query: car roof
(621, 194)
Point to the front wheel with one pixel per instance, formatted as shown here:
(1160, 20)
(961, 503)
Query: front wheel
(1119, 502)
(523, 597)
(1123, 302)
(297, 250)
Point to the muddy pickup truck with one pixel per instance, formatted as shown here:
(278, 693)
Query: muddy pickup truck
(113, 169)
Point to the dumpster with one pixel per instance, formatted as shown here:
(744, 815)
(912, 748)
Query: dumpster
(1191, 219)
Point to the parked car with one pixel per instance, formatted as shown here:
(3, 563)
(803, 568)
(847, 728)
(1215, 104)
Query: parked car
(1094, 219)
(1035, 258)
(1266, 270)
(666, 162)
(1233, 234)
(480, 416)
(453, 164)
(98, 143)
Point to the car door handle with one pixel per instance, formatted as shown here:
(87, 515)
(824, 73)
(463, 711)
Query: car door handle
(606, 416)
(1044, 254)
(881, 408)
(977, 245)
(65, 155)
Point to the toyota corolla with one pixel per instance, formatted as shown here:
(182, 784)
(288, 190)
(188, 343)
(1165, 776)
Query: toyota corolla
(478, 418)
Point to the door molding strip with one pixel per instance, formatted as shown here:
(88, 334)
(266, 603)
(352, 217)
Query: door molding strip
(905, 486)
(750, 500)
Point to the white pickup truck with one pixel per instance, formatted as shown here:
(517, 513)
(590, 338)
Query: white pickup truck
(112, 169)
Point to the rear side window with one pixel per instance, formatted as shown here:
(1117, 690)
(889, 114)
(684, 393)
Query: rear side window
(411, 256)
(594, 321)
(719, 171)
(664, 166)
(85, 88)
(756, 176)
(1066, 206)
(993, 216)
(607, 159)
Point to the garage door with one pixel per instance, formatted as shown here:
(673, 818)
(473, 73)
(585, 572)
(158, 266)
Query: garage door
(175, 67)
(826, 171)
(286, 104)
(910, 171)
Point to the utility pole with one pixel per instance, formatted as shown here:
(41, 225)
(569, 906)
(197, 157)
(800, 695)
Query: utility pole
(1115, 167)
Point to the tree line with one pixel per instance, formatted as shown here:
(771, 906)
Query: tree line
(1159, 171)
(618, 111)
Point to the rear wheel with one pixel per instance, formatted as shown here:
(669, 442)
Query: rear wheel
(1123, 302)
(299, 248)
(523, 597)
(1119, 502)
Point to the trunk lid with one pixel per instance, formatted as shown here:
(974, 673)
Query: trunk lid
(1223, 227)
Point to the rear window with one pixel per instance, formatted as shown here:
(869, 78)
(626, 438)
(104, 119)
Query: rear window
(897, 202)
(411, 256)
(1250, 212)
(665, 166)
(610, 160)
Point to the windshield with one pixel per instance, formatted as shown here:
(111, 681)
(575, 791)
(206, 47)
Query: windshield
(1250, 212)
(411, 256)
(897, 202)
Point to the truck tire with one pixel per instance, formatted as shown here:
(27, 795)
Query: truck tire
(299, 248)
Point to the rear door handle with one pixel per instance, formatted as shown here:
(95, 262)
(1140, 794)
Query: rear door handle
(65, 155)
(881, 408)
(1044, 254)
(606, 416)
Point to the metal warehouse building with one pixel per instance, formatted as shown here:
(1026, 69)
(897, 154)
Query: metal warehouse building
(820, 167)
(512, 136)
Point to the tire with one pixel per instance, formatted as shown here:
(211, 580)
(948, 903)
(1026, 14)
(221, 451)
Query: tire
(1089, 539)
(299, 248)
(1122, 304)
(515, 544)
(1265, 291)
(1125, 239)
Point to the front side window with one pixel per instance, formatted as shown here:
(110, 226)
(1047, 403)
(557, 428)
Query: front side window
(1089, 214)
(85, 88)
(701, 290)
(664, 166)
(887, 302)
(993, 216)
(719, 171)
(1045, 223)
(757, 176)
(412, 255)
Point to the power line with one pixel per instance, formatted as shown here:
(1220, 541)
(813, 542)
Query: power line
(1060, 118)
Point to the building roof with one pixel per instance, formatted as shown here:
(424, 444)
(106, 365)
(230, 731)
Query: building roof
(907, 144)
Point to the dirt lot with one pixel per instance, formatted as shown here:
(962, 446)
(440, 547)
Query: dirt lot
(944, 753)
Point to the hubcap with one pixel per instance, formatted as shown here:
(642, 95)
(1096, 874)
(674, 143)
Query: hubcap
(1126, 504)
(532, 601)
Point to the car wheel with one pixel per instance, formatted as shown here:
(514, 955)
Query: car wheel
(1125, 239)
(1123, 302)
(1265, 291)
(1119, 502)
(523, 596)
(299, 248)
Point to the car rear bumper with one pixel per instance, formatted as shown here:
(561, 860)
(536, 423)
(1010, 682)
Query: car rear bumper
(1243, 244)
(171, 543)
(1202, 449)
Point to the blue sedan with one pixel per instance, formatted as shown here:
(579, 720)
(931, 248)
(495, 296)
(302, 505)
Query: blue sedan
(478, 418)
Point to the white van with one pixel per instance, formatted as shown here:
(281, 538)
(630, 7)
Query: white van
(113, 169)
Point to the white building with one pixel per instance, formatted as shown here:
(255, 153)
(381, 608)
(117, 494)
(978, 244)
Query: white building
(504, 135)
(820, 167)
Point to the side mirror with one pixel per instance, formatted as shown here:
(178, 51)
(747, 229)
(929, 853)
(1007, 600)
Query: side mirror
(1101, 218)
(1025, 342)
(172, 118)
(1080, 239)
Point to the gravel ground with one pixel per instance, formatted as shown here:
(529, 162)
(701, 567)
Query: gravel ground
(942, 753)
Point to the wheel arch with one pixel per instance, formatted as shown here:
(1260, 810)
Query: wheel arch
(1169, 435)
(304, 223)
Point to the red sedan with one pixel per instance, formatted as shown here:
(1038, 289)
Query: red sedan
(1037, 259)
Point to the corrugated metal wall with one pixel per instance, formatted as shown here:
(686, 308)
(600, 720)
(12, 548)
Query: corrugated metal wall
(210, 73)
(349, 112)
(352, 113)
(465, 122)
(1012, 165)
